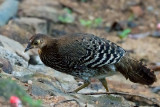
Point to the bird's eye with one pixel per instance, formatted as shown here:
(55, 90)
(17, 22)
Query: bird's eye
(36, 43)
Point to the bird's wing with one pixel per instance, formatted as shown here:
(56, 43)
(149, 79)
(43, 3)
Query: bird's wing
(90, 50)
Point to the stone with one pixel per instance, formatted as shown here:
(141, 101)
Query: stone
(47, 9)
(12, 57)
(28, 23)
(44, 12)
(35, 60)
(16, 33)
(49, 3)
(6, 65)
(22, 73)
(44, 81)
(13, 46)
(57, 84)
(8, 9)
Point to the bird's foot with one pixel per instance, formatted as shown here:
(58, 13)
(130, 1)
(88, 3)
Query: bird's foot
(79, 88)
(104, 83)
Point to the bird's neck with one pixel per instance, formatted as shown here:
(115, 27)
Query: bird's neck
(51, 44)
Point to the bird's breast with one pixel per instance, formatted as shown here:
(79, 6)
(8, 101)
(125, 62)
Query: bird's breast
(54, 61)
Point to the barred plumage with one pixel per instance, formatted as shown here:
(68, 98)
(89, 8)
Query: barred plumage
(87, 56)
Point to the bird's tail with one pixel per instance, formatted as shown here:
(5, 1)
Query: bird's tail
(135, 71)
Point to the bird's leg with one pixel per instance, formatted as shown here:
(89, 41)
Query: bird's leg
(104, 83)
(82, 86)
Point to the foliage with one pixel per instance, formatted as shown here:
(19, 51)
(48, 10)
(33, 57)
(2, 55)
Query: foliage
(10, 88)
(124, 33)
(68, 10)
(91, 23)
(66, 18)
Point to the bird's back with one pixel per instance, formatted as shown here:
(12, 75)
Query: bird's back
(89, 50)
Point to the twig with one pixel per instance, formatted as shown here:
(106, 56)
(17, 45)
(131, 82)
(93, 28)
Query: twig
(61, 88)
(65, 101)
(132, 97)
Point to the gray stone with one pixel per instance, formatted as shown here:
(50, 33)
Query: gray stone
(35, 60)
(20, 72)
(44, 12)
(39, 90)
(16, 33)
(48, 82)
(8, 9)
(13, 46)
(12, 57)
(47, 9)
(39, 25)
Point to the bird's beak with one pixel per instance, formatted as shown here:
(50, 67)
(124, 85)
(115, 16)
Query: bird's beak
(28, 47)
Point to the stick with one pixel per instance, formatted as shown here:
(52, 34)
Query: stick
(131, 97)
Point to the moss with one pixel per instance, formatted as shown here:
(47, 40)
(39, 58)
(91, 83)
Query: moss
(10, 88)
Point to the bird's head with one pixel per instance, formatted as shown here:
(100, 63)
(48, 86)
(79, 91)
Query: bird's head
(36, 41)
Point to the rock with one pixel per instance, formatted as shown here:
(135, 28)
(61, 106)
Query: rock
(16, 33)
(40, 11)
(57, 84)
(12, 57)
(39, 25)
(48, 82)
(49, 3)
(35, 60)
(6, 65)
(8, 9)
(39, 91)
(57, 79)
(13, 46)
(22, 73)
(103, 100)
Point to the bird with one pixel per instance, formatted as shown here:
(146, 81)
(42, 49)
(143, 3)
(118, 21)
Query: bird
(87, 56)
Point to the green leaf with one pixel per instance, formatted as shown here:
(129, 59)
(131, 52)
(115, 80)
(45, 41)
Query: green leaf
(68, 10)
(124, 33)
(91, 23)
(97, 22)
(86, 23)
(66, 19)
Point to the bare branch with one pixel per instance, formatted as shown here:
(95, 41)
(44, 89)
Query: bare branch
(143, 100)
